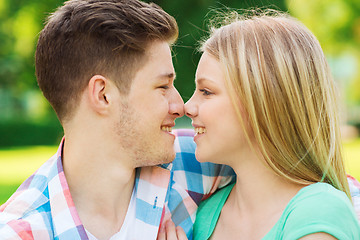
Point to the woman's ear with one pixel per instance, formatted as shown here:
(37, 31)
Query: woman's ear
(98, 93)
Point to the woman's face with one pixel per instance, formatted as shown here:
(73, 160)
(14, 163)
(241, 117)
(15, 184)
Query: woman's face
(219, 135)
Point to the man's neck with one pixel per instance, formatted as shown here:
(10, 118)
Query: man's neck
(100, 186)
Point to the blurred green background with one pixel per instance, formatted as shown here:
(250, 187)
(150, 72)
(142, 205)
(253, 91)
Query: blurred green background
(30, 132)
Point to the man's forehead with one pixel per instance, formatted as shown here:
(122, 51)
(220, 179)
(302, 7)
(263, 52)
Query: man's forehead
(158, 63)
(155, 46)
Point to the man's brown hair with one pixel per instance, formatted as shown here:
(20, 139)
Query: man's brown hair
(83, 38)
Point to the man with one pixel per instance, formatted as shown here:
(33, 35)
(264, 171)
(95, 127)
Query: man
(105, 66)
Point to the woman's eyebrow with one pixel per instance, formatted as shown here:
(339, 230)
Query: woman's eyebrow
(204, 80)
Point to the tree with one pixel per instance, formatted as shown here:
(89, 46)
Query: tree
(20, 23)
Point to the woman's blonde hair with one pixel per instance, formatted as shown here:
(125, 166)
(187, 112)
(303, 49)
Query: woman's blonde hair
(276, 71)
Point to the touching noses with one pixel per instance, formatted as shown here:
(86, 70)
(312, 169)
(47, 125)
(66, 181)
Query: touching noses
(191, 108)
(176, 105)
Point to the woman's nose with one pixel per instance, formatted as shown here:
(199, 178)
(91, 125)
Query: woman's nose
(191, 108)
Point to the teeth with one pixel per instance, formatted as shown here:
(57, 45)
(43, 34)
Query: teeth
(166, 128)
(200, 130)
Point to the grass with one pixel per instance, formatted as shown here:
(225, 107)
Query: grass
(18, 163)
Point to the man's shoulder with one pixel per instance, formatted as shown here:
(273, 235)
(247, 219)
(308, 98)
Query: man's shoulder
(26, 214)
(24, 202)
(32, 225)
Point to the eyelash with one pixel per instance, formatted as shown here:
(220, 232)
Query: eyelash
(205, 92)
(164, 87)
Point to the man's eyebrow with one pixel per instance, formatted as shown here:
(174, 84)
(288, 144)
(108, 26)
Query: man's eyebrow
(169, 76)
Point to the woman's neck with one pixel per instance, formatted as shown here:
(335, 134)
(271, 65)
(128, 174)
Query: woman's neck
(257, 201)
(258, 187)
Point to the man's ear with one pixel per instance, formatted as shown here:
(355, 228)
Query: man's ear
(99, 94)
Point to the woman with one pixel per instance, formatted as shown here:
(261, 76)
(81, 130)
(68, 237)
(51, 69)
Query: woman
(265, 105)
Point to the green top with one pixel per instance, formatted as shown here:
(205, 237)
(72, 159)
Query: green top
(316, 208)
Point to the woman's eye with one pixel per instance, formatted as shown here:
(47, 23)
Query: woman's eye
(205, 92)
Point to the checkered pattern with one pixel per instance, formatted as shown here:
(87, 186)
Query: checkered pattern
(42, 207)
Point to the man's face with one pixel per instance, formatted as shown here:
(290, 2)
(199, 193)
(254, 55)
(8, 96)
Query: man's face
(150, 109)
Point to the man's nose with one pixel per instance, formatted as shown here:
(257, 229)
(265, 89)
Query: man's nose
(176, 105)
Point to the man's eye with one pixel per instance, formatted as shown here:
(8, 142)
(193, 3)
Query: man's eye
(164, 87)
(205, 92)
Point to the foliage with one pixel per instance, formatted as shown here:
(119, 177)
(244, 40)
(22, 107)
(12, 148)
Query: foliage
(336, 23)
(20, 22)
(23, 133)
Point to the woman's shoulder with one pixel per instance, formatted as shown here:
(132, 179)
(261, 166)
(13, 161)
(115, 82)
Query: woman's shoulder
(318, 193)
(320, 207)
(320, 197)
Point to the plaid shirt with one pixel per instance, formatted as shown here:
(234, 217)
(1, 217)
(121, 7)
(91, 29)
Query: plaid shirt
(42, 207)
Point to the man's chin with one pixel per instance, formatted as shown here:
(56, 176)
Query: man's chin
(155, 161)
(167, 159)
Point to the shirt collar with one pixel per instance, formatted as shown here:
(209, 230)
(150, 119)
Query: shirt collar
(167, 166)
(64, 215)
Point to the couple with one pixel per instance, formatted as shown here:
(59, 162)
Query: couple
(264, 104)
